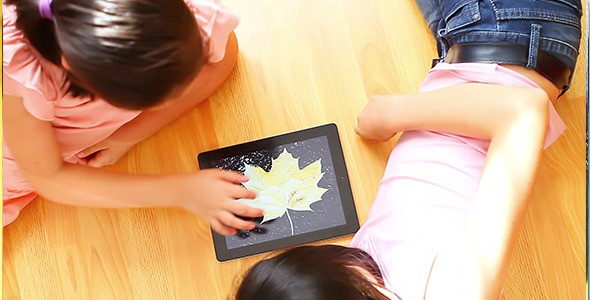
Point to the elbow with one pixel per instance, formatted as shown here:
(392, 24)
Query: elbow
(40, 178)
(535, 104)
(232, 50)
(218, 72)
(533, 99)
(531, 112)
(230, 58)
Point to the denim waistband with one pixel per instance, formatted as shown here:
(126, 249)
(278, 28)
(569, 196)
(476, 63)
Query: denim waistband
(549, 26)
(513, 54)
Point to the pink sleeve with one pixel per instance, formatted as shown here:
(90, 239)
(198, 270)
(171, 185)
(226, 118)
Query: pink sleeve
(217, 22)
(33, 99)
(24, 74)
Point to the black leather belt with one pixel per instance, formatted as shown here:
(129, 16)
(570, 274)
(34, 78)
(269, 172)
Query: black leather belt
(511, 54)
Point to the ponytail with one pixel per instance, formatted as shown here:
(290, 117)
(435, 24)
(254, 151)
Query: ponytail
(39, 31)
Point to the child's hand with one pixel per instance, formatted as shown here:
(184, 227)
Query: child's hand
(106, 152)
(214, 194)
(376, 121)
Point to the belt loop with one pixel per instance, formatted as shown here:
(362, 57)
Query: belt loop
(442, 44)
(534, 46)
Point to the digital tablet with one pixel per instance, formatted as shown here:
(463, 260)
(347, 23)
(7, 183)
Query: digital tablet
(301, 183)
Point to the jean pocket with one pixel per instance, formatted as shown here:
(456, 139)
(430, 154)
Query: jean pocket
(462, 14)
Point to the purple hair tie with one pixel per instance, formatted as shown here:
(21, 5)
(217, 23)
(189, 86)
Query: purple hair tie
(45, 9)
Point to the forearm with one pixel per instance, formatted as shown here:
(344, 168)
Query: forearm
(85, 186)
(209, 193)
(475, 110)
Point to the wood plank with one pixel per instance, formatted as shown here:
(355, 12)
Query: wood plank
(302, 63)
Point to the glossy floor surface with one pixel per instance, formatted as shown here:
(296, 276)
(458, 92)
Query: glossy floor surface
(302, 63)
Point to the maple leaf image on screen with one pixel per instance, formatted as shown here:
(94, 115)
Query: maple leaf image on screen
(285, 187)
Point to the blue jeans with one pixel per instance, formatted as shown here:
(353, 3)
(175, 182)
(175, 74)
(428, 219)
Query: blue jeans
(542, 26)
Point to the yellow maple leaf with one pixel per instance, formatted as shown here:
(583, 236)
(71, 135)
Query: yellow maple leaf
(284, 187)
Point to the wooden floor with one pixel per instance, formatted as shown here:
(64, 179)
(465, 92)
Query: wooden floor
(302, 63)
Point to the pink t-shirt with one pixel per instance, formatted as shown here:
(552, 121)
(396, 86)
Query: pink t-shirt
(78, 122)
(429, 185)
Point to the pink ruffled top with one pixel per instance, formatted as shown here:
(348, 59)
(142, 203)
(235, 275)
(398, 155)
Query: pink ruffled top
(78, 122)
(429, 185)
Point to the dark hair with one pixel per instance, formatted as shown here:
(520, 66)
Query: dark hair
(132, 53)
(312, 272)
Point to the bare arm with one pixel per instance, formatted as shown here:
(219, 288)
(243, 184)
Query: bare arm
(209, 193)
(467, 109)
(209, 79)
(473, 264)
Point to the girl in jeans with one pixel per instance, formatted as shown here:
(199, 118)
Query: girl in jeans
(456, 185)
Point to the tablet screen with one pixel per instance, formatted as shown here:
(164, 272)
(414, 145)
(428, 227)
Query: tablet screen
(301, 183)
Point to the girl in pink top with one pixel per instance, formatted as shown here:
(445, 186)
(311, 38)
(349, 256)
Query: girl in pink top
(84, 80)
(456, 186)
(440, 227)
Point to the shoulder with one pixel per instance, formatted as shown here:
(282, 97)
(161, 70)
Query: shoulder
(25, 73)
(211, 9)
(216, 22)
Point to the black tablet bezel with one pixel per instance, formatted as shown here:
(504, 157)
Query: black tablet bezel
(330, 131)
